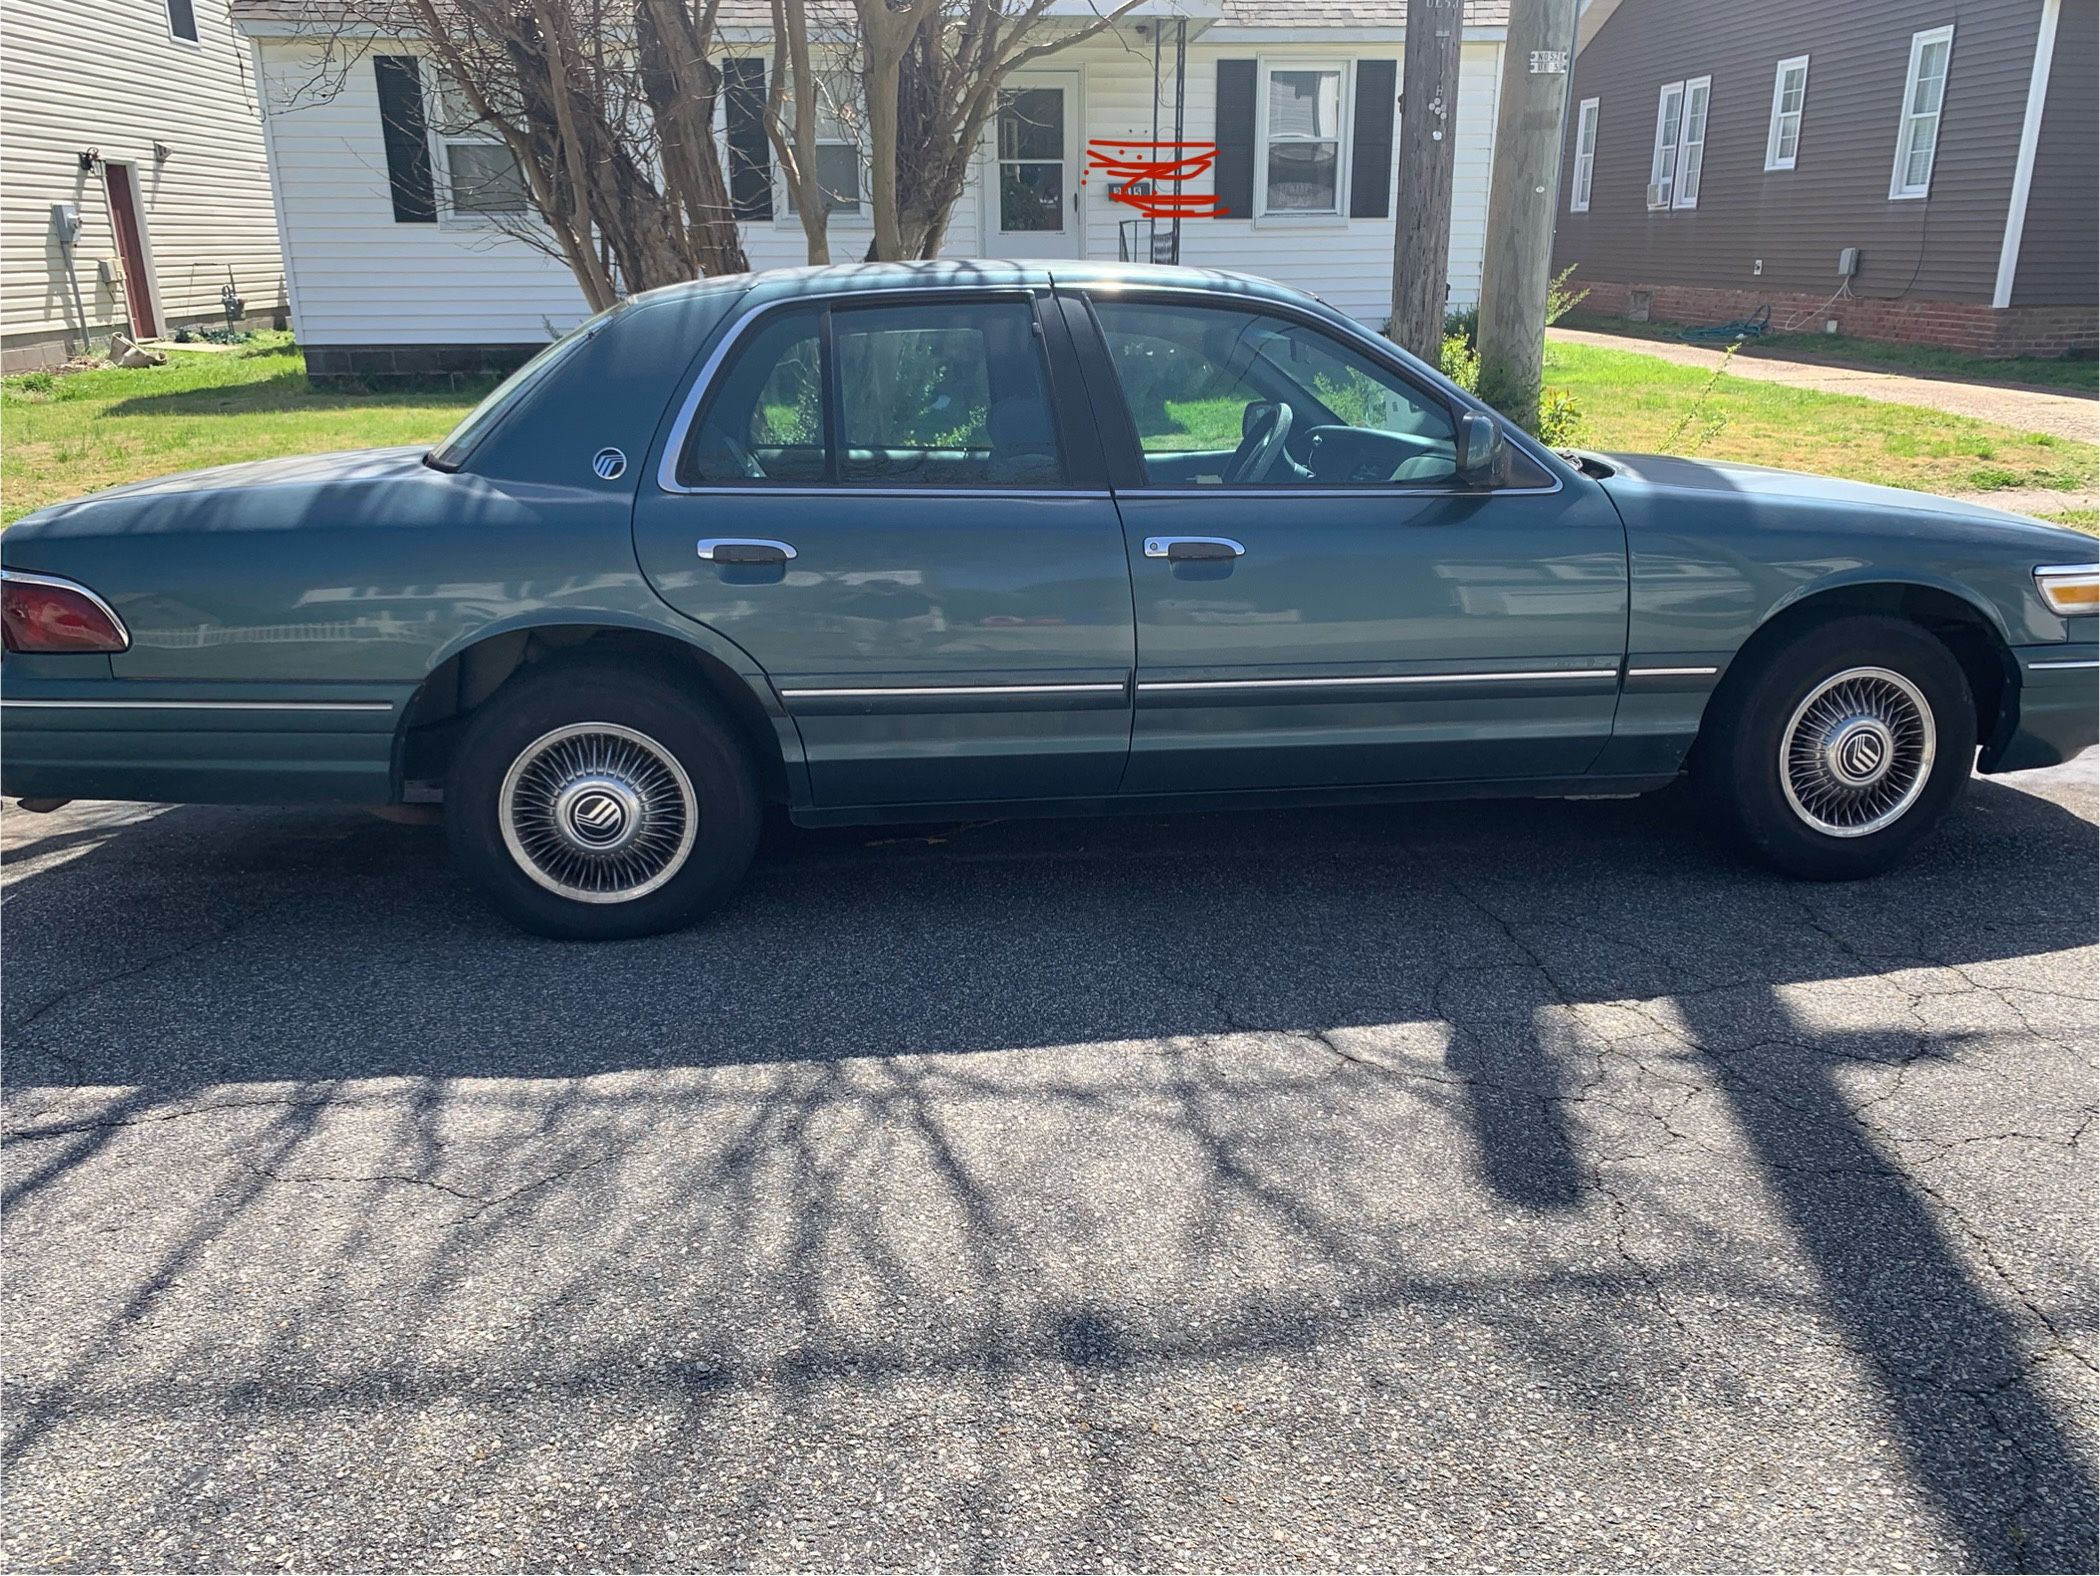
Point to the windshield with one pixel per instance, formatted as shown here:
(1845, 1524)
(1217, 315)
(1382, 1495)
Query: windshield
(482, 419)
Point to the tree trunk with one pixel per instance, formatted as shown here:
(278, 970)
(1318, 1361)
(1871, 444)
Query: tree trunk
(1518, 268)
(1422, 216)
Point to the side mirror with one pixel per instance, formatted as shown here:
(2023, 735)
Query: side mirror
(1479, 448)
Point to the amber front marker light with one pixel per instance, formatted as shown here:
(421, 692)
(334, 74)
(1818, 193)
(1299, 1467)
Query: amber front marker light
(2070, 589)
(53, 617)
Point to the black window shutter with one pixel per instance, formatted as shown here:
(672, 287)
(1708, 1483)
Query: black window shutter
(750, 156)
(1236, 138)
(407, 141)
(1371, 165)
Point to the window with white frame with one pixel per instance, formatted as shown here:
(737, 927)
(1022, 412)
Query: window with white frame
(1302, 139)
(182, 20)
(1691, 149)
(1669, 128)
(838, 143)
(1924, 92)
(1585, 156)
(481, 173)
(1680, 143)
(1789, 95)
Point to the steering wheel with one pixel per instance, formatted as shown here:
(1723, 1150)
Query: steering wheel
(745, 460)
(1266, 426)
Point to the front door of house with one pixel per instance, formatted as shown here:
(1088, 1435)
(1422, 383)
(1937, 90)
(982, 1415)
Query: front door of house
(131, 249)
(1032, 168)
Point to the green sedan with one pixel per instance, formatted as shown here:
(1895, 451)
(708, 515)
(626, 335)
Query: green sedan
(928, 541)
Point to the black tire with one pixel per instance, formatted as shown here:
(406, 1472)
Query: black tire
(599, 743)
(1787, 817)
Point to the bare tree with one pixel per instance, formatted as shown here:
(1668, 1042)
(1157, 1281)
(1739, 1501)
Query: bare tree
(607, 108)
(933, 70)
(791, 124)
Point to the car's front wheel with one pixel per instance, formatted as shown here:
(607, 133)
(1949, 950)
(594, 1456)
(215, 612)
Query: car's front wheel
(591, 802)
(1843, 747)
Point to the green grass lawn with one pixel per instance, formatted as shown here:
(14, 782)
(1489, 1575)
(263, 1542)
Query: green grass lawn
(1636, 403)
(2077, 374)
(61, 436)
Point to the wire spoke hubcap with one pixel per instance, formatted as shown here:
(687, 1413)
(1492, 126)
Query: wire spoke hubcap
(598, 812)
(1858, 752)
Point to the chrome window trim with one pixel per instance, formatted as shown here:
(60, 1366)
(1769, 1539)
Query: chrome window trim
(879, 692)
(689, 408)
(1352, 681)
(200, 705)
(61, 583)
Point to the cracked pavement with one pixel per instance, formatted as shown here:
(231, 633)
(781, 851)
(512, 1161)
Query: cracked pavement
(1498, 1186)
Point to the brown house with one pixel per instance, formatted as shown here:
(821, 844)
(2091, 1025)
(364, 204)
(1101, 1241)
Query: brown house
(1918, 170)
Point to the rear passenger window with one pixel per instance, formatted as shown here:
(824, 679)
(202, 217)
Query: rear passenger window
(927, 394)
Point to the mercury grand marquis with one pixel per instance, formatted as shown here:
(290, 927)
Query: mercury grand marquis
(883, 543)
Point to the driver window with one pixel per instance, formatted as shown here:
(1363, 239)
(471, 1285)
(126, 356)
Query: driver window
(1222, 396)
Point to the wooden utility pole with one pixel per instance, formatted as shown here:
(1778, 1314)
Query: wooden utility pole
(1428, 144)
(1518, 267)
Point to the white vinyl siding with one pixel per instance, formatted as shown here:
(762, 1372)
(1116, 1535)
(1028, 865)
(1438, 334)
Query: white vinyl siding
(110, 75)
(1924, 93)
(1585, 157)
(1789, 101)
(361, 279)
(1680, 143)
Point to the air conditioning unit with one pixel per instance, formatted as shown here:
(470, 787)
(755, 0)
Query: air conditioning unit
(1659, 195)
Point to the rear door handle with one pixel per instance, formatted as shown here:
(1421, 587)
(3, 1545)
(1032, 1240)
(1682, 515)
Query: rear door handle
(745, 550)
(1192, 549)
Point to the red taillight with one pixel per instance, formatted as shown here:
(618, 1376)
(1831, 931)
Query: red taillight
(43, 615)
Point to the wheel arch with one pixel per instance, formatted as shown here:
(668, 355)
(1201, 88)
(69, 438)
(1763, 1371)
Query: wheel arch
(474, 670)
(1958, 620)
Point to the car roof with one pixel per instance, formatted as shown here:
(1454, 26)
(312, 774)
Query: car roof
(971, 273)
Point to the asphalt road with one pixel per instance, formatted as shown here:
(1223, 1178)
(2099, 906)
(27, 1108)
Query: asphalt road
(1522, 1185)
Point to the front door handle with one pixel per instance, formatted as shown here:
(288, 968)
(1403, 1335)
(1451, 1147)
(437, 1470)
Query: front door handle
(1193, 549)
(745, 550)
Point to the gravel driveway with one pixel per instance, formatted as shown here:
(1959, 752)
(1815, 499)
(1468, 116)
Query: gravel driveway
(1520, 1185)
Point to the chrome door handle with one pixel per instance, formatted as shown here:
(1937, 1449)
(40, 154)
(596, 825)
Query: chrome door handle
(745, 550)
(1193, 549)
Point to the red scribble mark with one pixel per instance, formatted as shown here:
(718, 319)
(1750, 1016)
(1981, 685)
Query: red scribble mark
(1133, 163)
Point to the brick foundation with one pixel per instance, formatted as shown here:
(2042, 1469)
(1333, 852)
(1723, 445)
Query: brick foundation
(412, 366)
(1968, 326)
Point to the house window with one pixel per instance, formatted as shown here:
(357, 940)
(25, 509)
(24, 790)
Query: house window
(1924, 91)
(838, 149)
(1789, 94)
(1680, 144)
(182, 20)
(481, 173)
(1585, 156)
(1302, 140)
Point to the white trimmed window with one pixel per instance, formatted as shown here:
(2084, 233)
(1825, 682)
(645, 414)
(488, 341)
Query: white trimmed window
(481, 174)
(1691, 147)
(1680, 143)
(1585, 156)
(838, 148)
(1302, 104)
(1924, 92)
(1669, 127)
(1789, 95)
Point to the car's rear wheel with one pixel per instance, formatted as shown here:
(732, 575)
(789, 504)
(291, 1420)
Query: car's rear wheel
(1843, 747)
(592, 802)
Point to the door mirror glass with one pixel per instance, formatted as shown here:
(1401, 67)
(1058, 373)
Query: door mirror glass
(1479, 448)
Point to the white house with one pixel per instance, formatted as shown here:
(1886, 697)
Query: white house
(393, 272)
(133, 185)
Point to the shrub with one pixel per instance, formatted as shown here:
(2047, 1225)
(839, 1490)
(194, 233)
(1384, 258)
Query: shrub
(1460, 362)
(1560, 419)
